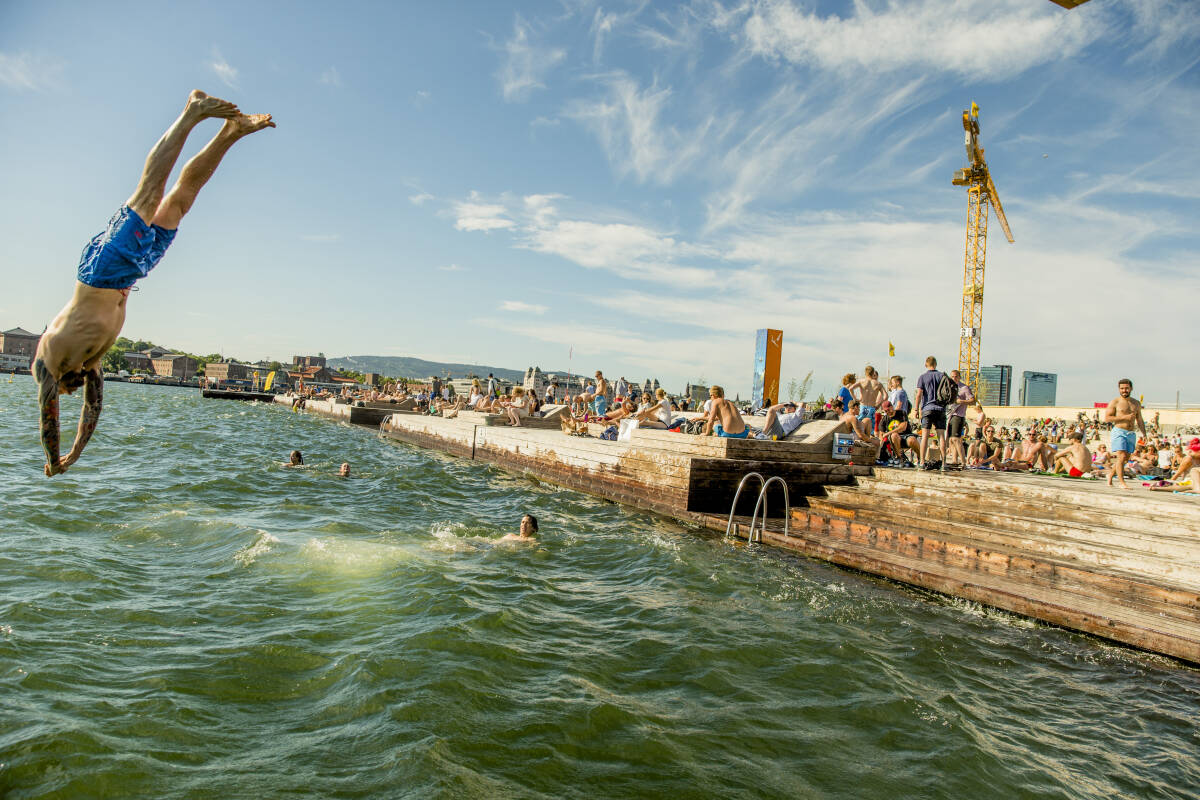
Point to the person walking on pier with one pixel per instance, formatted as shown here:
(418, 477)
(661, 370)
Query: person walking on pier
(137, 236)
(1123, 412)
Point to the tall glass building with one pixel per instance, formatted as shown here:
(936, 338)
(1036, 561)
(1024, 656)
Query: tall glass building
(995, 384)
(1038, 388)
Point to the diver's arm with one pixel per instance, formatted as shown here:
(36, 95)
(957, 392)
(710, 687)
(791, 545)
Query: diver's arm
(92, 402)
(48, 401)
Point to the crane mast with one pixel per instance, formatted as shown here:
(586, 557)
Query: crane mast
(981, 197)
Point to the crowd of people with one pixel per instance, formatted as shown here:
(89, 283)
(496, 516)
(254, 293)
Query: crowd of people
(941, 426)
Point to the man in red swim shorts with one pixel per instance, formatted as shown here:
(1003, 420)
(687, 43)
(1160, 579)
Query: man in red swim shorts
(69, 353)
(1075, 459)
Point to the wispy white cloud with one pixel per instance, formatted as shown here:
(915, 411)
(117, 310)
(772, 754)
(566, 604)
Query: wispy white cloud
(451, 268)
(478, 216)
(321, 238)
(227, 73)
(522, 307)
(629, 122)
(330, 77)
(28, 72)
(420, 198)
(525, 64)
(990, 41)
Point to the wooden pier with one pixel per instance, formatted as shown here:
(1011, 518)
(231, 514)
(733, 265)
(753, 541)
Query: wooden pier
(1123, 565)
(237, 394)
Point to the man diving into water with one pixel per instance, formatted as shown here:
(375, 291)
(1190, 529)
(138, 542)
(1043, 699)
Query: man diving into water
(69, 353)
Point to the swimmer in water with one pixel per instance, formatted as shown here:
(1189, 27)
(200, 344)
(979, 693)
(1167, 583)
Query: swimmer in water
(69, 353)
(529, 528)
(345, 469)
(294, 459)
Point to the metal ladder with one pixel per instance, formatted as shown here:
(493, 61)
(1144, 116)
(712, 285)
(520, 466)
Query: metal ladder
(764, 485)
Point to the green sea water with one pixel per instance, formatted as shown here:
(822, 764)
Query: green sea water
(182, 617)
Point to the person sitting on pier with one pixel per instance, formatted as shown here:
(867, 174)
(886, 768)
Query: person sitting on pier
(858, 426)
(517, 408)
(1075, 459)
(1032, 455)
(783, 419)
(722, 418)
(656, 414)
(987, 452)
(69, 352)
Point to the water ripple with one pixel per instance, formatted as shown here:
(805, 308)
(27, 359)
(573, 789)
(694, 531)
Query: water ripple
(181, 615)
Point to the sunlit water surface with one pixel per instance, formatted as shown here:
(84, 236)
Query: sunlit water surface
(180, 616)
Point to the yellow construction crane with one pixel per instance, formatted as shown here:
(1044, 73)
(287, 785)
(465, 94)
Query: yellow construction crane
(981, 193)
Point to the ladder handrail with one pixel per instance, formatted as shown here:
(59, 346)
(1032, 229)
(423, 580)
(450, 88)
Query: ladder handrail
(762, 483)
(762, 500)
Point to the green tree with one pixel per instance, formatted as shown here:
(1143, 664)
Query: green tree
(114, 360)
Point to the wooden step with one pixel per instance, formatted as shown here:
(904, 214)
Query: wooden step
(1092, 495)
(1158, 625)
(1096, 571)
(1052, 510)
(968, 514)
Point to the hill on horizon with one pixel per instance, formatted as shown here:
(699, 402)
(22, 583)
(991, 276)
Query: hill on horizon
(411, 367)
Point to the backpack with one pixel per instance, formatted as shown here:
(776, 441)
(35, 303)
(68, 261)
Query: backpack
(947, 391)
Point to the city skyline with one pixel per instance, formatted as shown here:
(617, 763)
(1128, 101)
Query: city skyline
(641, 186)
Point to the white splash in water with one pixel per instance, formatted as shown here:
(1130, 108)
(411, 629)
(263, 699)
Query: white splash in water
(261, 545)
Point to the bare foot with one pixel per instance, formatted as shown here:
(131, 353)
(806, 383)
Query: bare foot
(206, 106)
(246, 124)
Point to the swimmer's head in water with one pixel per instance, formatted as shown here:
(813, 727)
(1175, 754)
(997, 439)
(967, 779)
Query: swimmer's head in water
(296, 458)
(345, 469)
(529, 525)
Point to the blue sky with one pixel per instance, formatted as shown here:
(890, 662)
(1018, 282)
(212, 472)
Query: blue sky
(646, 183)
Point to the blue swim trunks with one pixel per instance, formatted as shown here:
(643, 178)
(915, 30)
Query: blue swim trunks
(125, 251)
(1123, 440)
(720, 431)
(600, 404)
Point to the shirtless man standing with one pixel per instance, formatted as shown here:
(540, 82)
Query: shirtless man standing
(1075, 459)
(1123, 412)
(871, 394)
(722, 418)
(69, 353)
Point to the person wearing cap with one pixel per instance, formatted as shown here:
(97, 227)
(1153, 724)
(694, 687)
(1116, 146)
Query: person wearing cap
(782, 420)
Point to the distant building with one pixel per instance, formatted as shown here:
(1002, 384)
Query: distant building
(19, 342)
(138, 361)
(1038, 388)
(308, 374)
(219, 371)
(373, 378)
(175, 365)
(995, 384)
(696, 393)
(308, 361)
